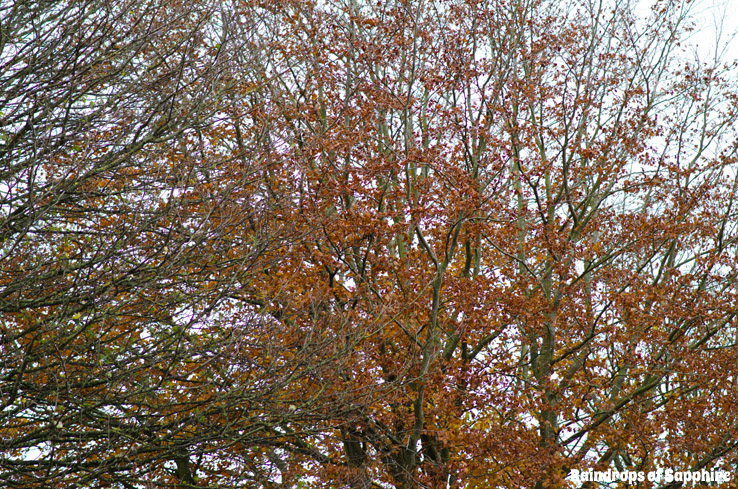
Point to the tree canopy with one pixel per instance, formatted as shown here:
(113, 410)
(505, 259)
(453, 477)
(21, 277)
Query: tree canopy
(389, 244)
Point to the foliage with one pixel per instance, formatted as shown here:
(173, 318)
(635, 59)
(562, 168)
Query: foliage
(129, 218)
(363, 244)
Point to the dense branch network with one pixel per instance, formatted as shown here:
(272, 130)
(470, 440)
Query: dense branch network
(363, 244)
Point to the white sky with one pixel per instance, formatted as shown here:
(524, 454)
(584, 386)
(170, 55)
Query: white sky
(716, 26)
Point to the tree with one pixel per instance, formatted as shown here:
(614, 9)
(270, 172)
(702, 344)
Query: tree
(136, 206)
(527, 211)
(363, 244)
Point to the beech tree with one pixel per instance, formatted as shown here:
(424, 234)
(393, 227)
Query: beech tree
(363, 244)
(134, 198)
(527, 210)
